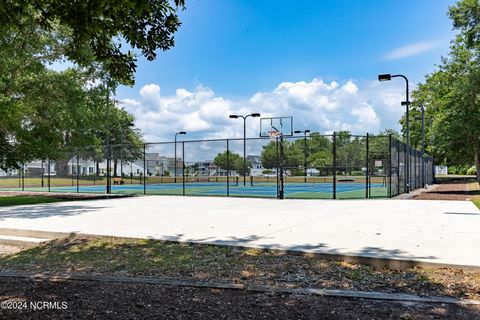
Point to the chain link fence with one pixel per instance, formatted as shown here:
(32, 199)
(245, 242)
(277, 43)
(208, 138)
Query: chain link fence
(338, 166)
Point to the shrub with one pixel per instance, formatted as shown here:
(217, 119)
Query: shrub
(297, 172)
(458, 170)
(357, 173)
(472, 171)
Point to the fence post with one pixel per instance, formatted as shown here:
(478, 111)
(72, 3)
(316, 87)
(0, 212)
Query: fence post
(144, 169)
(23, 176)
(390, 165)
(108, 169)
(228, 169)
(281, 187)
(277, 168)
(78, 173)
(367, 174)
(415, 155)
(334, 151)
(398, 165)
(48, 178)
(43, 171)
(405, 167)
(433, 169)
(183, 167)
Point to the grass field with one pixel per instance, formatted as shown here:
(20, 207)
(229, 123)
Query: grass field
(22, 200)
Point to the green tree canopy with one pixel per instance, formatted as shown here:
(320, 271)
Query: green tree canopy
(44, 113)
(292, 151)
(94, 31)
(451, 94)
(229, 160)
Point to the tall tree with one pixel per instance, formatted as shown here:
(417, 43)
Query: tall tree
(229, 160)
(44, 113)
(452, 93)
(96, 29)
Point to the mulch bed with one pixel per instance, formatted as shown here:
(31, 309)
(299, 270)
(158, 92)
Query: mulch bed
(200, 262)
(91, 300)
(449, 191)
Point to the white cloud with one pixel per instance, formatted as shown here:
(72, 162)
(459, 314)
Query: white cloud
(366, 115)
(150, 91)
(413, 49)
(316, 105)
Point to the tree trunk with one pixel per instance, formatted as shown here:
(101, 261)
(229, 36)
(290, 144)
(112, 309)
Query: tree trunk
(477, 162)
(115, 164)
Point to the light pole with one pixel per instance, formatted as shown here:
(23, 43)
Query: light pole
(388, 77)
(304, 151)
(235, 116)
(109, 187)
(175, 164)
(432, 140)
(423, 141)
(130, 124)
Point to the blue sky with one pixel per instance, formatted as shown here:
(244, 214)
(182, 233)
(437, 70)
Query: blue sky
(245, 56)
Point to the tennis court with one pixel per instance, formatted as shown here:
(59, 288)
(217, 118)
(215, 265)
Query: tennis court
(299, 190)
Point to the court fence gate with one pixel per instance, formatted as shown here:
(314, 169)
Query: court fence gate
(337, 166)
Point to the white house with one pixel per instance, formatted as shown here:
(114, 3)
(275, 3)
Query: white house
(34, 168)
(256, 162)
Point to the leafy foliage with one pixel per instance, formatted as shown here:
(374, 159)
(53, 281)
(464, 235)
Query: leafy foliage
(96, 29)
(232, 161)
(451, 94)
(49, 114)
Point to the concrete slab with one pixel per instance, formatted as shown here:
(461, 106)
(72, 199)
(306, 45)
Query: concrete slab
(440, 232)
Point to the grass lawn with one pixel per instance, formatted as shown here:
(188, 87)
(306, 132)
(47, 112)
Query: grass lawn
(171, 260)
(474, 189)
(22, 200)
(477, 202)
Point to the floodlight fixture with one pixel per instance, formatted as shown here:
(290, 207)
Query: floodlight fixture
(385, 77)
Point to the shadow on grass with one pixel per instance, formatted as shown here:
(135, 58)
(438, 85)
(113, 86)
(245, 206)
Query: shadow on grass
(43, 211)
(203, 262)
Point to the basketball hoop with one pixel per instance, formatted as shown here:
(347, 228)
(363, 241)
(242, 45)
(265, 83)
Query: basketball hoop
(274, 134)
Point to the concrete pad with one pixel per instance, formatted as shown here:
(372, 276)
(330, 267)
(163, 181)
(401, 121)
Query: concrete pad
(439, 232)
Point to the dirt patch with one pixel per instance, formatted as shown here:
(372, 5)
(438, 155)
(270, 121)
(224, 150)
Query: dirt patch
(91, 300)
(451, 190)
(7, 249)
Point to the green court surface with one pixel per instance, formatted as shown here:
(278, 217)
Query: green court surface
(322, 189)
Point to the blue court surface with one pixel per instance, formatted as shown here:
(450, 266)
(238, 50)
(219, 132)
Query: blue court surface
(292, 190)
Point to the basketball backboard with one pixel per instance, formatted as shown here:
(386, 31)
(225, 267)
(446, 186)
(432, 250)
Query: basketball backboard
(280, 124)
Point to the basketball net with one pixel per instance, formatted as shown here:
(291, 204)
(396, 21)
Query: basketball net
(274, 134)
